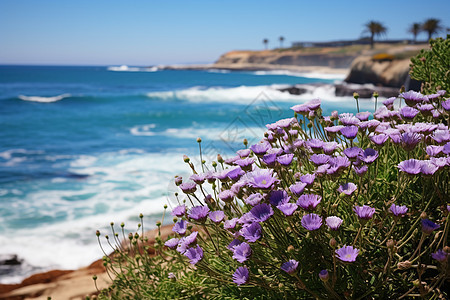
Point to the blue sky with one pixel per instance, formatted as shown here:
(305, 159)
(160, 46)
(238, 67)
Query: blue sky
(138, 32)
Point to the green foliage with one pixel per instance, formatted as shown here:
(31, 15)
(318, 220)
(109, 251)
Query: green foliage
(432, 67)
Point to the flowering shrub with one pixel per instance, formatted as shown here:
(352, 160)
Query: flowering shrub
(339, 206)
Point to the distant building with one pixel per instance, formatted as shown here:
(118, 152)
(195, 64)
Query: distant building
(362, 41)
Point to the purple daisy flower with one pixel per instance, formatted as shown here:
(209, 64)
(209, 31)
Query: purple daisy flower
(285, 159)
(194, 254)
(287, 208)
(409, 140)
(315, 144)
(319, 159)
(302, 109)
(269, 159)
(246, 219)
(226, 196)
(308, 178)
(441, 136)
(434, 150)
(262, 178)
(337, 163)
(333, 129)
(233, 244)
(262, 212)
(309, 201)
(179, 210)
(290, 266)
(363, 116)
(180, 227)
(329, 147)
(311, 222)
(389, 102)
(411, 166)
(440, 162)
(408, 113)
(397, 210)
(347, 188)
(230, 224)
(186, 241)
(439, 255)
(360, 170)
(245, 163)
(172, 243)
(446, 104)
(353, 152)
(253, 199)
(242, 252)
(333, 222)
(198, 213)
(425, 109)
(369, 155)
(412, 98)
(285, 123)
(348, 119)
(235, 173)
(278, 197)
(243, 153)
(197, 178)
(364, 212)
(313, 104)
(251, 232)
(428, 226)
(217, 216)
(379, 139)
(297, 188)
(260, 148)
(188, 187)
(446, 149)
(240, 276)
(347, 253)
(428, 168)
(350, 132)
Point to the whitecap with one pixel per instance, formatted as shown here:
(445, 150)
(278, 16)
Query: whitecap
(143, 130)
(43, 99)
(318, 75)
(125, 68)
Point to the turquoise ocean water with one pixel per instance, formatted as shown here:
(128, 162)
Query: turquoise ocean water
(83, 146)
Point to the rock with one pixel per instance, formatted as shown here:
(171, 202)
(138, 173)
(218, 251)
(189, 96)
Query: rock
(10, 260)
(365, 91)
(294, 90)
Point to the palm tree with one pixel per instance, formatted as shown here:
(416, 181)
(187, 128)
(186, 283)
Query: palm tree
(415, 29)
(266, 42)
(281, 38)
(375, 29)
(432, 26)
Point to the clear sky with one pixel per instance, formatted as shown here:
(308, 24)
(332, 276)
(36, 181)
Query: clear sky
(149, 32)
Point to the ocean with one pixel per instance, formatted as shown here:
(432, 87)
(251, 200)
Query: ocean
(85, 146)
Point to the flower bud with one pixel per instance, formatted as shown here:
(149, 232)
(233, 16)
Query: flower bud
(186, 158)
(355, 95)
(165, 207)
(141, 215)
(245, 142)
(290, 248)
(423, 215)
(309, 125)
(447, 249)
(175, 219)
(219, 158)
(375, 94)
(390, 244)
(94, 277)
(324, 276)
(199, 140)
(158, 223)
(403, 265)
(178, 180)
(333, 243)
(97, 233)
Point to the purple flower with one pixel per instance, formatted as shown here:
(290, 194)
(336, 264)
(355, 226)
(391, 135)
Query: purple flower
(186, 241)
(308, 178)
(329, 147)
(353, 152)
(389, 102)
(198, 213)
(217, 216)
(412, 98)
(251, 232)
(409, 140)
(441, 136)
(242, 252)
(434, 150)
(278, 197)
(446, 149)
(363, 116)
(285, 159)
(337, 163)
(270, 159)
(243, 153)
(262, 178)
(347, 188)
(287, 208)
(180, 227)
(240, 276)
(408, 113)
(172, 243)
(262, 212)
(360, 170)
(350, 132)
(411, 166)
(313, 104)
(425, 109)
(233, 244)
(319, 159)
(226, 196)
(369, 155)
(197, 178)
(235, 173)
(347, 253)
(333, 129)
(379, 139)
(230, 224)
(290, 266)
(428, 168)
(309, 201)
(298, 188)
(245, 163)
(439, 255)
(179, 210)
(398, 210)
(348, 119)
(428, 226)
(439, 161)
(315, 144)
(323, 275)
(194, 254)
(446, 104)
(333, 222)
(311, 222)
(188, 187)
(302, 109)
(253, 199)
(260, 148)
(364, 212)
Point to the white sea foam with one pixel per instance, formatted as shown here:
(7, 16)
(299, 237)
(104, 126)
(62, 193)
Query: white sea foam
(125, 68)
(336, 76)
(43, 99)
